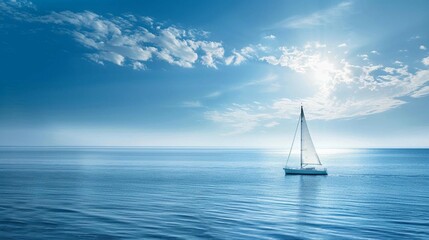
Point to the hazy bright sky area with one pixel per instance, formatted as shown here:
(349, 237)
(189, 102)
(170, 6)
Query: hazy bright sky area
(214, 73)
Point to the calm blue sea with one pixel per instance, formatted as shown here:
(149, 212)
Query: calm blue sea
(194, 193)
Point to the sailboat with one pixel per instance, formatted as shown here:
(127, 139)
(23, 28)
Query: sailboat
(310, 162)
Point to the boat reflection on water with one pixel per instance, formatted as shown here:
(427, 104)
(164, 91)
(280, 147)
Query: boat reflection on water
(308, 204)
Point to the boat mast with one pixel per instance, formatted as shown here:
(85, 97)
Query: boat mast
(302, 113)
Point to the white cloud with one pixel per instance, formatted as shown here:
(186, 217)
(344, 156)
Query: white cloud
(343, 90)
(174, 49)
(17, 9)
(421, 92)
(146, 19)
(317, 18)
(197, 33)
(137, 43)
(299, 59)
(127, 40)
(171, 44)
(107, 56)
(389, 70)
(238, 57)
(422, 47)
(270, 37)
(425, 61)
(138, 66)
(375, 52)
(270, 59)
(363, 56)
(213, 52)
(229, 60)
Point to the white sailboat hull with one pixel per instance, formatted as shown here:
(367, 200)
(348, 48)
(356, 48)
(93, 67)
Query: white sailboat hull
(305, 171)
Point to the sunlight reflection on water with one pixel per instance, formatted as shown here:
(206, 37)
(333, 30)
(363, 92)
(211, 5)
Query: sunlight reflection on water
(101, 193)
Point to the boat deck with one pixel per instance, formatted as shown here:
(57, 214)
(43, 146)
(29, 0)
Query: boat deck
(305, 171)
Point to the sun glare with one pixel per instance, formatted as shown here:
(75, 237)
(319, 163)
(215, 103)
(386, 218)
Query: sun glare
(322, 71)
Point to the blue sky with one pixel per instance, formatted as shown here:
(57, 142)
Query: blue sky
(219, 73)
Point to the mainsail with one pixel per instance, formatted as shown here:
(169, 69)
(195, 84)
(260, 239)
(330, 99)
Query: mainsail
(308, 152)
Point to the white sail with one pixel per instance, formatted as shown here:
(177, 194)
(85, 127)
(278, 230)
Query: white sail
(308, 151)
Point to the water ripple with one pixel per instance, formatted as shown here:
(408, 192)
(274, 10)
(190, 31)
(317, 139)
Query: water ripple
(210, 194)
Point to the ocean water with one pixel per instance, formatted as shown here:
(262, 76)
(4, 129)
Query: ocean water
(195, 193)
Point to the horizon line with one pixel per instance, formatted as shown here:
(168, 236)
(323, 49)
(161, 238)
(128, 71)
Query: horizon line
(207, 147)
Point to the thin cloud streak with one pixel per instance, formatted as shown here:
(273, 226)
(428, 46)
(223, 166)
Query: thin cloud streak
(192, 104)
(315, 19)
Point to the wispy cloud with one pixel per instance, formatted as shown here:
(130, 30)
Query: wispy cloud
(240, 56)
(268, 83)
(17, 9)
(270, 37)
(363, 56)
(421, 92)
(241, 118)
(272, 124)
(422, 47)
(416, 37)
(192, 104)
(345, 90)
(126, 40)
(315, 19)
(299, 60)
(214, 94)
(425, 61)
